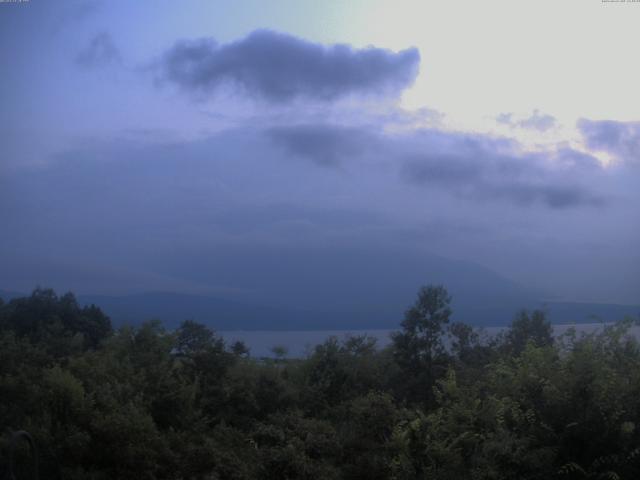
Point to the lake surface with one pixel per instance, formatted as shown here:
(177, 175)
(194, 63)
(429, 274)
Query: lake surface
(301, 343)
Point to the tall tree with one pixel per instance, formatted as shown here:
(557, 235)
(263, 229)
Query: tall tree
(525, 328)
(418, 348)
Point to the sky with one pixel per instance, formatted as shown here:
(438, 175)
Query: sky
(140, 140)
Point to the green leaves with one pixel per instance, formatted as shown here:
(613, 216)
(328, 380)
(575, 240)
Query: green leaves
(143, 402)
(418, 348)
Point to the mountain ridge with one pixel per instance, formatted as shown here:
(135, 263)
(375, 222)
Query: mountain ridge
(223, 314)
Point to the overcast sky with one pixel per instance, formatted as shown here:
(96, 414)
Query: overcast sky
(137, 135)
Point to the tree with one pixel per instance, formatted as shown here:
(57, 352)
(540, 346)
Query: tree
(240, 349)
(45, 317)
(193, 338)
(418, 347)
(463, 339)
(525, 328)
(280, 352)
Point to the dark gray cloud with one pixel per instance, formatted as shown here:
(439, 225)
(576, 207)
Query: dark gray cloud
(537, 121)
(280, 68)
(99, 52)
(477, 167)
(469, 166)
(621, 139)
(325, 145)
(441, 169)
(553, 196)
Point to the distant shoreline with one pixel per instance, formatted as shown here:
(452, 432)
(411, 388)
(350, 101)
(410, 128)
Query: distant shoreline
(299, 343)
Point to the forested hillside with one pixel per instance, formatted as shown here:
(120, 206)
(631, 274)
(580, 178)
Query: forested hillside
(145, 402)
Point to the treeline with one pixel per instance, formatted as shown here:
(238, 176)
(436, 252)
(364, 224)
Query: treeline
(440, 402)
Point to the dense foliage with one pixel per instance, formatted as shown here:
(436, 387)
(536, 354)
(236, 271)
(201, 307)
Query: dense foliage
(440, 402)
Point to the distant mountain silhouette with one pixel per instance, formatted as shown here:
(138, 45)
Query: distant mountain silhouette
(7, 295)
(345, 287)
(284, 288)
(221, 314)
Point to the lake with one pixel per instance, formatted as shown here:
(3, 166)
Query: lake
(299, 343)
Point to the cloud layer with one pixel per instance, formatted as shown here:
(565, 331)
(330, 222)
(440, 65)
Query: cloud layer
(326, 145)
(280, 68)
(473, 167)
(480, 168)
(165, 215)
(621, 139)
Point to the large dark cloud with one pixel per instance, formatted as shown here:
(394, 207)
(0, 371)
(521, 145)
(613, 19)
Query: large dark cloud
(280, 68)
(326, 145)
(486, 168)
(621, 139)
(470, 179)
(469, 166)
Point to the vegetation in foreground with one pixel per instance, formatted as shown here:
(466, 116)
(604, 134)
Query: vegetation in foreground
(151, 404)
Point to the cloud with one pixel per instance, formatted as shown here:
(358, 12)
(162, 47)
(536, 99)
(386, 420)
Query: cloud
(472, 167)
(101, 51)
(621, 139)
(158, 208)
(557, 196)
(537, 121)
(325, 145)
(280, 68)
(481, 168)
